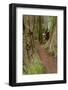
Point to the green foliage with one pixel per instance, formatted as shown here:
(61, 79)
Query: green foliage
(35, 67)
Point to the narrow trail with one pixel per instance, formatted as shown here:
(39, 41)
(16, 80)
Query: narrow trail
(48, 61)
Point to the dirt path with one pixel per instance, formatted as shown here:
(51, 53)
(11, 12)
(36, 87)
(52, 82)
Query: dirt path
(48, 61)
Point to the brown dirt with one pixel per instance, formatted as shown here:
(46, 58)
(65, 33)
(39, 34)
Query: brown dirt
(48, 61)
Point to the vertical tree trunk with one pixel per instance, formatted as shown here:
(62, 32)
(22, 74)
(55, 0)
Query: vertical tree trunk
(40, 30)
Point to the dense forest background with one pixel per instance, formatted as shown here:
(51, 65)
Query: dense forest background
(39, 35)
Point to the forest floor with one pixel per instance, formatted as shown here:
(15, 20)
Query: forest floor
(49, 62)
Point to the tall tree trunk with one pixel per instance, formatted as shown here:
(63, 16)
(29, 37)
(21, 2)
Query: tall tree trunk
(40, 30)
